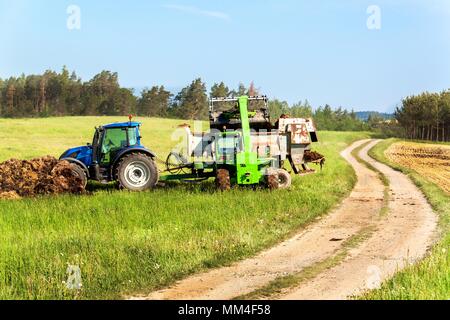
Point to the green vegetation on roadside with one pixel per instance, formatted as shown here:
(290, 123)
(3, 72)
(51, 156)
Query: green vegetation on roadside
(127, 243)
(430, 278)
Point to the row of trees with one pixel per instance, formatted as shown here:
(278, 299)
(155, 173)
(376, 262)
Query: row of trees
(57, 94)
(192, 103)
(64, 93)
(325, 118)
(425, 116)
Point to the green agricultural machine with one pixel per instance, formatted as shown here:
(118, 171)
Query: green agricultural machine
(241, 148)
(226, 153)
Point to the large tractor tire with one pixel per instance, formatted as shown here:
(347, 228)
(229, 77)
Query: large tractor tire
(223, 181)
(137, 172)
(284, 179)
(80, 173)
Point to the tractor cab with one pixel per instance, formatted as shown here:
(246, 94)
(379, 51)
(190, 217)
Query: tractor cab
(111, 139)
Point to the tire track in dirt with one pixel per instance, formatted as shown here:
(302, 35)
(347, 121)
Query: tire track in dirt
(402, 237)
(314, 244)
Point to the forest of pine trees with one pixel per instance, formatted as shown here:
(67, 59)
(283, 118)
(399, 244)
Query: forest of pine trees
(425, 116)
(59, 94)
(65, 94)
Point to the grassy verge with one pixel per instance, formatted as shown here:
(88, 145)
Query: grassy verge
(430, 278)
(137, 242)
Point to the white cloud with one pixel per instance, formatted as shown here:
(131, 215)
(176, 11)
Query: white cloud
(197, 11)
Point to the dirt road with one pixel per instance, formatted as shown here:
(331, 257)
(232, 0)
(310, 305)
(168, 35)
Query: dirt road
(399, 237)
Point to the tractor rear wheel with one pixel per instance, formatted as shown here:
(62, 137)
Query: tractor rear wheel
(79, 172)
(284, 179)
(223, 181)
(137, 172)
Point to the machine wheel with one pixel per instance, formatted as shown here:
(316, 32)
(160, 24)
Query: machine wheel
(79, 172)
(137, 172)
(284, 179)
(223, 181)
(176, 163)
(272, 179)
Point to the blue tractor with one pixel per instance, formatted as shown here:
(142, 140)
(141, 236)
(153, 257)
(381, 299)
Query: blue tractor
(116, 154)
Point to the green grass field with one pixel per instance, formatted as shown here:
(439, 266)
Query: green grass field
(430, 278)
(136, 242)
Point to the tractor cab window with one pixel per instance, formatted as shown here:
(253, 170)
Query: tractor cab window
(132, 136)
(116, 139)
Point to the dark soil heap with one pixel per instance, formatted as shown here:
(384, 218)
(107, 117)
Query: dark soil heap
(43, 176)
(312, 156)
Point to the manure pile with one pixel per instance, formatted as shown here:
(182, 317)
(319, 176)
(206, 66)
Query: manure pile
(42, 176)
(312, 156)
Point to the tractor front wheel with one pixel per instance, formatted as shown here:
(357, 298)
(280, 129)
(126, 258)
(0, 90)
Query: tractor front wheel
(137, 172)
(223, 181)
(79, 172)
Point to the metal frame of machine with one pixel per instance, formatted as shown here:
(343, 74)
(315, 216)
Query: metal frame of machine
(242, 148)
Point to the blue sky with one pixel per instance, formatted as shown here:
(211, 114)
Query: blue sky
(293, 50)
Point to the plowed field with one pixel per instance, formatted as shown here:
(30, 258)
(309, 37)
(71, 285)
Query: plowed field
(429, 160)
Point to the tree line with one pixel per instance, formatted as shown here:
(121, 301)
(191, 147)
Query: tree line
(325, 118)
(59, 94)
(65, 94)
(425, 116)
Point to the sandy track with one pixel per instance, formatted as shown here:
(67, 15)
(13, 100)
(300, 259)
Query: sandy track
(403, 234)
